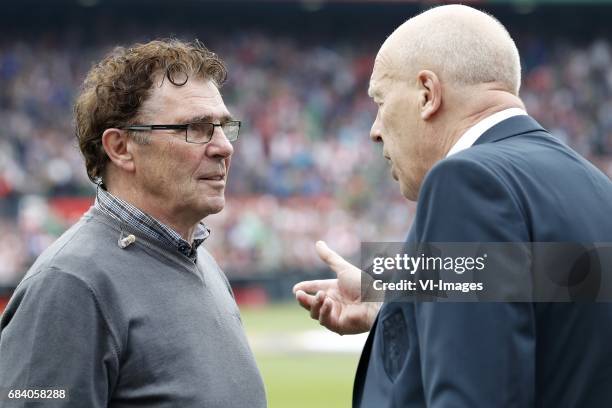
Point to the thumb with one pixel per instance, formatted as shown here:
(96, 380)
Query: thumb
(337, 263)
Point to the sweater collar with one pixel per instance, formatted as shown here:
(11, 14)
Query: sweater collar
(149, 226)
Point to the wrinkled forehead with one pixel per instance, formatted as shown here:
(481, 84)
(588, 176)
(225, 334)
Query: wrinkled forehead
(382, 74)
(197, 99)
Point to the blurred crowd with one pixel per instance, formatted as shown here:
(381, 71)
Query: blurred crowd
(303, 168)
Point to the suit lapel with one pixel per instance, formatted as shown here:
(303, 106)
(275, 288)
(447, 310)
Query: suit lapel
(362, 367)
(364, 360)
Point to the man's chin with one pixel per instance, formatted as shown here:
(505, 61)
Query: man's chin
(214, 205)
(409, 193)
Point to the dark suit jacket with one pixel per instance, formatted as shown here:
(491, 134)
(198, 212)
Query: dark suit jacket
(516, 184)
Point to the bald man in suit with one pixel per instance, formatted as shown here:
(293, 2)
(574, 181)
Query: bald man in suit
(461, 144)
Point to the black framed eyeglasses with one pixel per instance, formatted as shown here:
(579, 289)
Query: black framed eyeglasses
(196, 132)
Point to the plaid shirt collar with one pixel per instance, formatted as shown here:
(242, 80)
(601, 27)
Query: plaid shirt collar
(149, 226)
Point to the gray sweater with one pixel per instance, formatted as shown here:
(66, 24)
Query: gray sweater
(137, 327)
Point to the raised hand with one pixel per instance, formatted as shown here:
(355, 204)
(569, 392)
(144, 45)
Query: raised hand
(336, 303)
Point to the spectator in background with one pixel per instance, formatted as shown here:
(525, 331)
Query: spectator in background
(127, 308)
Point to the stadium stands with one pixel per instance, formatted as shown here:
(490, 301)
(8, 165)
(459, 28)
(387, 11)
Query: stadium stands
(304, 168)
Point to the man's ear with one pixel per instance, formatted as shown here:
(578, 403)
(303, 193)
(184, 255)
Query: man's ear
(430, 93)
(115, 142)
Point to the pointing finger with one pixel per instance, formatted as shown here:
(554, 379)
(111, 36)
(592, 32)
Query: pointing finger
(331, 257)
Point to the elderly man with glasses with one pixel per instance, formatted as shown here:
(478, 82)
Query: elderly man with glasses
(127, 308)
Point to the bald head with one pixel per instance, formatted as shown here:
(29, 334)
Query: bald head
(460, 44)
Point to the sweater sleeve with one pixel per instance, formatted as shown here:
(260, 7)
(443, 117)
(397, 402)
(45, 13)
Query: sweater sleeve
(54, 336)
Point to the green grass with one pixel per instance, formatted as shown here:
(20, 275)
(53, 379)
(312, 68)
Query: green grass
(308, 380)
(277, 317)
(299, 379)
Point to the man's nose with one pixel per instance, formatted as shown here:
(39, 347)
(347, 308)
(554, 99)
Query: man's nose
(219, 145)
(375, 131)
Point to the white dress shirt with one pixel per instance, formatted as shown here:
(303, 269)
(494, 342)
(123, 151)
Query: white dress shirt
(472, 134)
